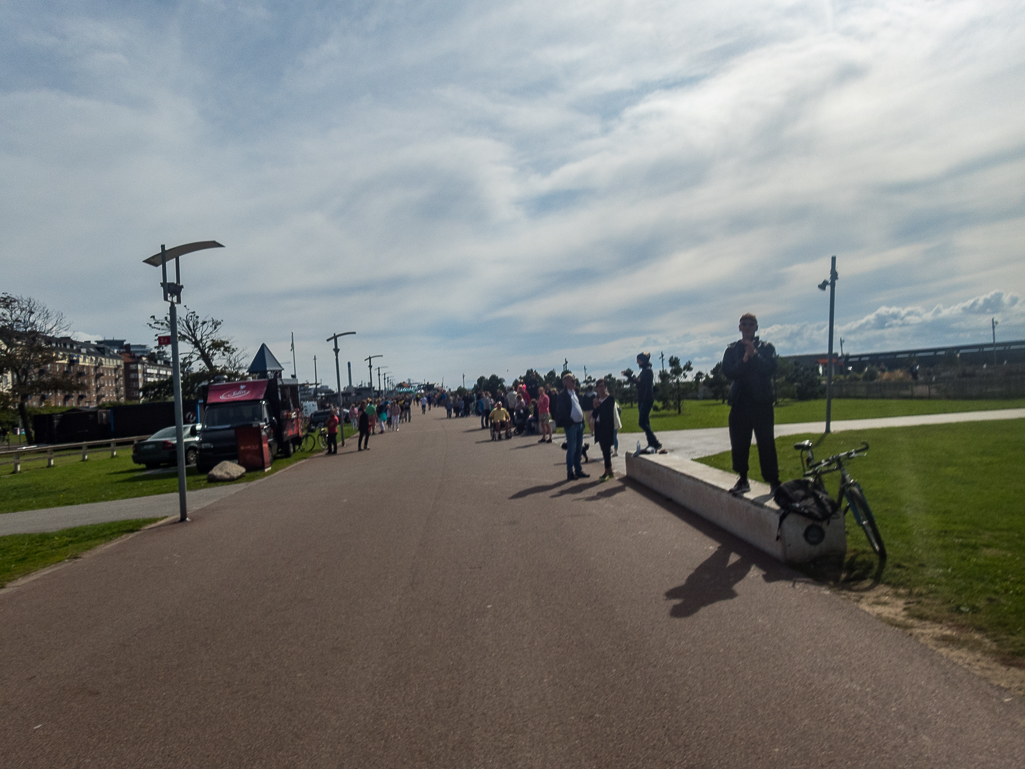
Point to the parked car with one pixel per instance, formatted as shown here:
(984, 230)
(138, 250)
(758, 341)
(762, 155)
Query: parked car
(161, 448)
(319, 418)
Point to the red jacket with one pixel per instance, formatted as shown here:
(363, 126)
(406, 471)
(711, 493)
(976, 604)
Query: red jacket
(332, 425)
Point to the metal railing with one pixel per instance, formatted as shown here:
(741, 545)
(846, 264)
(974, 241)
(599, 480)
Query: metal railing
(49, 453)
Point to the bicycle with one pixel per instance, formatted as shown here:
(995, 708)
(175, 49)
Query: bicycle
(314, 438)
(849, 494)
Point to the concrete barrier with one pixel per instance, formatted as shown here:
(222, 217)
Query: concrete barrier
(753, 518)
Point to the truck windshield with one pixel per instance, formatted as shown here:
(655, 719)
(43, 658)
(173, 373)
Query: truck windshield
(233, 415)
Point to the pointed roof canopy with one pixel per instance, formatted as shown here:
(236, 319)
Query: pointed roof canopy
(265, 362)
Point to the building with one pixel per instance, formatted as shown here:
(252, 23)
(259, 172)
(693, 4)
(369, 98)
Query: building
(142, 366)
(986, 354)
(98, 369)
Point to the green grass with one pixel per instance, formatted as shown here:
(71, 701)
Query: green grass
(950, 504)
(73, 482)
(21, 554)
(697, 414)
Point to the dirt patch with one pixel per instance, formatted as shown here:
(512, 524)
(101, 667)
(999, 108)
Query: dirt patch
(965, 647)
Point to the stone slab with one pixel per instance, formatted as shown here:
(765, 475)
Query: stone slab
(753, 518)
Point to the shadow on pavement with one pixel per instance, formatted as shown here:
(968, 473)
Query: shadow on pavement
(537, 490)
(709, 583)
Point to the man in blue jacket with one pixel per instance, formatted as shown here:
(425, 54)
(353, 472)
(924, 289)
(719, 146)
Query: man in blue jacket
(750, 363)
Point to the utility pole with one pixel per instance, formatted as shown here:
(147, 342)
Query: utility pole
(315, 382)
(662, 357)
(370, 371)
(294, 369)
(993, 324)
(831, 285)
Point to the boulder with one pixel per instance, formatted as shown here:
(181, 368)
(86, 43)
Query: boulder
(226, 471)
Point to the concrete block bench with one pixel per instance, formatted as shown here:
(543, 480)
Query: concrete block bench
(753, 518)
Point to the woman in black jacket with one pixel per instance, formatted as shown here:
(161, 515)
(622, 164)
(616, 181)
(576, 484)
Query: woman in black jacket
(604, 426)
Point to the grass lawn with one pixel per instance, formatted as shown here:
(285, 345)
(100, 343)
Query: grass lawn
(950, 503)
(21, 554)
(714, 414)
(73, 482)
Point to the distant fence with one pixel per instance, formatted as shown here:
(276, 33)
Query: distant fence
(990, 388)
(15, 457)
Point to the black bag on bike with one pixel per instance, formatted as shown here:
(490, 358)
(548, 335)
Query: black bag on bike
(803, 497)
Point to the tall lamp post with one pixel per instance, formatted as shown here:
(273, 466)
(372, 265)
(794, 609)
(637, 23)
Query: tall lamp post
(831, 284)
(173, 297)
(338, 373)
(370, 366)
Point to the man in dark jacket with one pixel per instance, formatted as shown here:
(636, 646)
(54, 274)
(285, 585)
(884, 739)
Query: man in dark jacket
(645, 382)
(750, 363)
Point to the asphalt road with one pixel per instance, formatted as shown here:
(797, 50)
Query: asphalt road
(446, 601)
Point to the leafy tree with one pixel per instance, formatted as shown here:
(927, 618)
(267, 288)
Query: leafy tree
(671, 381)
(552, 380)
(216, 352)
(718, 383)
(628, 393)
(27, 329)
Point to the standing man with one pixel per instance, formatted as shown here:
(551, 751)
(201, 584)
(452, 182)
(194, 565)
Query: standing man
(364, 427)
(570, 417)
(645, 382)
(750, 363)
(332, 432)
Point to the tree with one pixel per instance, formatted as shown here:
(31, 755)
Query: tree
(27, 330)
(628, 394)
(217, 353)
(718, 383)
(670, 383)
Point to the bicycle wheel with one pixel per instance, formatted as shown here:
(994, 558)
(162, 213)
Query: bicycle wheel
(309, 442)
(322, 440)
(863, 515)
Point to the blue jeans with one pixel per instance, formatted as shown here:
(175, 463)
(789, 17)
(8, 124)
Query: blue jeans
(574, 447)
(644, 422)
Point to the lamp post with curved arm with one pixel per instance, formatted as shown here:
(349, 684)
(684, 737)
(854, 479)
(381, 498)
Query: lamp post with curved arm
(173, 297)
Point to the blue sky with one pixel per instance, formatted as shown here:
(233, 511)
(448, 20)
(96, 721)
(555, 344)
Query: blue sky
(480, 190)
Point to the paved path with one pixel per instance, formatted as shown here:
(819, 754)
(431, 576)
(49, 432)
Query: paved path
(446, 601)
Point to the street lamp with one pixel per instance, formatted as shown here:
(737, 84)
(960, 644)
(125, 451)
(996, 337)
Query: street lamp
(831, 284)
(173, 297)
(338, 373)
(370, 366)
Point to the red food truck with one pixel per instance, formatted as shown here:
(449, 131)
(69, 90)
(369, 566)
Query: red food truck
(272, 405)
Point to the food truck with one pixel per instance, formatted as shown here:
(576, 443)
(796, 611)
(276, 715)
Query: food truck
(271, 404)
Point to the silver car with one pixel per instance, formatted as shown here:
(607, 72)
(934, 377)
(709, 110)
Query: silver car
(161, 448)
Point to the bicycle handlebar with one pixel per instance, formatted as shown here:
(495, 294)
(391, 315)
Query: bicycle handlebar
(836, 458)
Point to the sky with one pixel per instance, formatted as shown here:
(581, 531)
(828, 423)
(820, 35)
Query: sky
(478, 188)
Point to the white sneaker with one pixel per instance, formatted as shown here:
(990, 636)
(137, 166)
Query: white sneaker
(615, 452)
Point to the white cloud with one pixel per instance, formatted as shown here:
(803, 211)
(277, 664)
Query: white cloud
(469, 185)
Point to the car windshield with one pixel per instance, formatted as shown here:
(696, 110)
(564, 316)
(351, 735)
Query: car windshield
(232, 415)
(167, 432)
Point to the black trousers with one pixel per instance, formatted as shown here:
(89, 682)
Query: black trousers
(756, 417)
(332, 443)
(364, 438)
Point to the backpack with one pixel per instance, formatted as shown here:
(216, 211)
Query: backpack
(803, 497)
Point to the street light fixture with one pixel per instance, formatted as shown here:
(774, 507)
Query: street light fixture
(338, 373)
(831, 284)
(370, 366)
(173, 297)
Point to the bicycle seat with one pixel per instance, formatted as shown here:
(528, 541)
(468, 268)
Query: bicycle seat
(803, 446)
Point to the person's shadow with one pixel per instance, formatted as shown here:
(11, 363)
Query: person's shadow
(710, 582)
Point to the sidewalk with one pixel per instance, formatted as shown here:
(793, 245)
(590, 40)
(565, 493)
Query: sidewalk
(156, 506)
